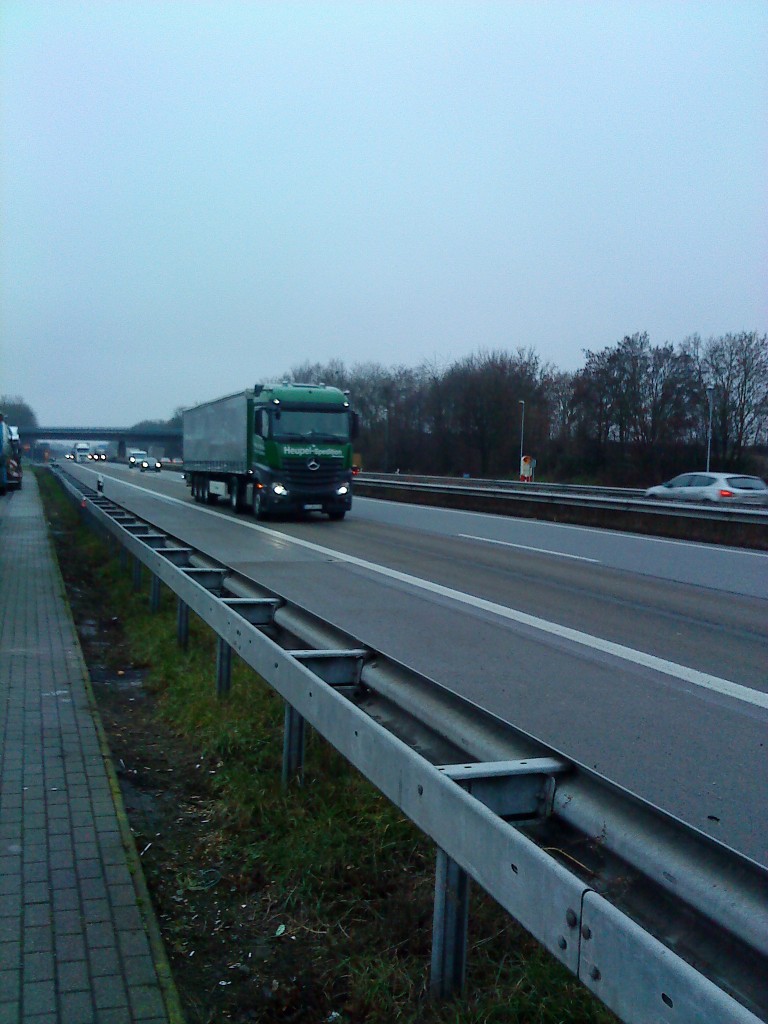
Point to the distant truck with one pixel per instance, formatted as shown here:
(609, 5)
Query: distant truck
(280, 448)
(135, 457)
(81, 451)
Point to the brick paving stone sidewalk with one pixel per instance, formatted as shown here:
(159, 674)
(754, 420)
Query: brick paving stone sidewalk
(73, 945)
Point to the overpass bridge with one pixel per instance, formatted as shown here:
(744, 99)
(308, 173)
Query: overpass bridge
(168, 437)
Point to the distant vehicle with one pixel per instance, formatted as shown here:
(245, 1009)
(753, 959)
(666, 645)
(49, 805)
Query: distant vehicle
(150, 463)
(277, 448)
(135, 457)
(13, 470)
(82, 451)
(718, 487)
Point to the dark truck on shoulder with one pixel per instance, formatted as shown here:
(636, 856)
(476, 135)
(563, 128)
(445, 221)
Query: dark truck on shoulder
(280, 448)
(14, 473)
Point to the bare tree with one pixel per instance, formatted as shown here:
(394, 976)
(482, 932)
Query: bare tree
(736, 367)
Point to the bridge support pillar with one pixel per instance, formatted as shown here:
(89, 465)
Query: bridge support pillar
(449, 927)
(293, 746)
(182, 624)
(223, 667)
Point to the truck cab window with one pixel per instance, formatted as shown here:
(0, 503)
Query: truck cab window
(261, 424)
(310, 425)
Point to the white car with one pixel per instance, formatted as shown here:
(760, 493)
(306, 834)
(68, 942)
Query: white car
(721, 487)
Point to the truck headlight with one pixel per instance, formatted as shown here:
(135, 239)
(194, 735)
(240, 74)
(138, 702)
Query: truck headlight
(279, 489)
(343, 489)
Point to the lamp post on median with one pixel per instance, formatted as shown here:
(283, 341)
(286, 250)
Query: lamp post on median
(521, 403)
(710, 395)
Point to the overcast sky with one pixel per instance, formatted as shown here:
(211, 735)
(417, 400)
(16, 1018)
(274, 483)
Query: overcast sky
(197, 196)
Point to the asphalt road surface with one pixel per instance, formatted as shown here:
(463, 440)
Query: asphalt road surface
(645, 660)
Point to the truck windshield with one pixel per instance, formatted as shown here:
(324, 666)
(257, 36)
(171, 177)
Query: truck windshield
(310, 424)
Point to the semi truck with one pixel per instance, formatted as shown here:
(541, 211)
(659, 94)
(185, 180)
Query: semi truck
(276, 449)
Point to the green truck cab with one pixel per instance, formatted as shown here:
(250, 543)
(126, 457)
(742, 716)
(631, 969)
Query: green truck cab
(278, 449)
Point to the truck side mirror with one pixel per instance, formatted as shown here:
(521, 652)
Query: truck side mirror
(354, 425)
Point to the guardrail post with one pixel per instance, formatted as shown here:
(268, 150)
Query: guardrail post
(123, 556)
(449, 927)
(154, 593)
(182, 624)
(293, 745)
(223, 667)
(136, 573)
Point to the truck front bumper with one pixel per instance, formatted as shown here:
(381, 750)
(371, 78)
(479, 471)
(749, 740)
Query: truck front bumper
(279, 496)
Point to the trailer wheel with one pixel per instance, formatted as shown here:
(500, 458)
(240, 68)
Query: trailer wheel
(196, 487)
(203, 494)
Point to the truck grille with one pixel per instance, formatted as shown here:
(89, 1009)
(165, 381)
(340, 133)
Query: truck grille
(297, 475)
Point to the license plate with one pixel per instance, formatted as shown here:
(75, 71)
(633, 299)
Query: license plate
(313, 508)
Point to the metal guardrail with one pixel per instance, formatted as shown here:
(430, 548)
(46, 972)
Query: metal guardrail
(659, 921)
(512, 486)
(611, 507)
(601, 497)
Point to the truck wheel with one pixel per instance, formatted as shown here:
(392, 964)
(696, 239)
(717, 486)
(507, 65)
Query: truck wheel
(234, 494)
(258, 504)
(338, 513)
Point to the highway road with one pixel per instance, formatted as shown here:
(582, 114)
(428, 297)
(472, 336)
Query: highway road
(644, 660)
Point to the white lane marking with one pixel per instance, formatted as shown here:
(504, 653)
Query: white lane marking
(669, 668)
(528, 547)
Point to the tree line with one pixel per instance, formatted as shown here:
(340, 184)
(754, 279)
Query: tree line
(17, 412)
(634, 413)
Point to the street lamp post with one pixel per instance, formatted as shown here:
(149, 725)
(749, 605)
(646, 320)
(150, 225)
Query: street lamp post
(710, 395)
(521, 403)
